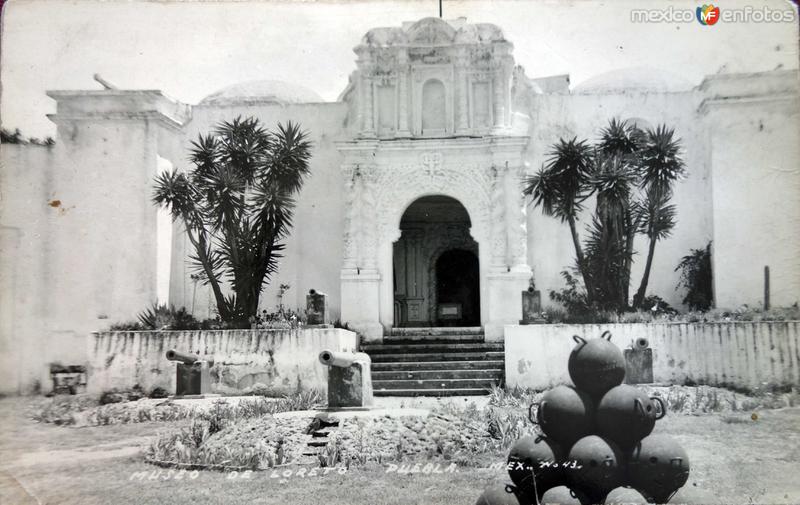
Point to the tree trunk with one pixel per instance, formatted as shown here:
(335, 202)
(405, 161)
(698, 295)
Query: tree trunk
(631, 234)
(579, 255)
(640, 294)
(200, 246)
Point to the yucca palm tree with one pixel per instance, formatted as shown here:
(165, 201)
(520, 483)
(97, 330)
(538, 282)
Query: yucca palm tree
(561, 186)
(616, 171)
(631, 173)
(660, 166)
(607, 245)
(236, 204)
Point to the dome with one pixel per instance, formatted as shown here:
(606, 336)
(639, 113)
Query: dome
(276, 92)
(634, 79)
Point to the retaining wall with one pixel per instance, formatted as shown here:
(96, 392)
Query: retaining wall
(283, 360)
(746, 355)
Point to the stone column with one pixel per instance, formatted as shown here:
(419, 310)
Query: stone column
(402, 95)
(350, 250)
(517, 223)
(360, 278)
(369, 223)
(462, 124)
(498, 224)
(499, 98)
(368, 108)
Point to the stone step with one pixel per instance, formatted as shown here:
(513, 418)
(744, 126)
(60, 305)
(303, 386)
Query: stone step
(438, 331)
(442, 338)
(436, 374)
(438, 365)
(433, 384)
(433, 392)
(428, 347)
(318, 442)
(437, 356)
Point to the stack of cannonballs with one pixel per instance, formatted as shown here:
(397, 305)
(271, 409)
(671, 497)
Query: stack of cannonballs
(596, 437)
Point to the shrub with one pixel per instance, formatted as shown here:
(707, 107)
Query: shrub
(158, 392)
(696, 277)
(286, 319)
(163, 317)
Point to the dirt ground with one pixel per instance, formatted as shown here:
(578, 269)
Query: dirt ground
(734, 458)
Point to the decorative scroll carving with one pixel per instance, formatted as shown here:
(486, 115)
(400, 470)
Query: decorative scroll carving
(402, 94)
(498, 249)
(518, 230)
(360, 237)
(349, 249)
(398, 186)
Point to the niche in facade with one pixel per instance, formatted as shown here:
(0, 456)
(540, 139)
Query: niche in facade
(433, 107)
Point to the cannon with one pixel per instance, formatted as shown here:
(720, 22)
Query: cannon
(349, 379)
(192, 376)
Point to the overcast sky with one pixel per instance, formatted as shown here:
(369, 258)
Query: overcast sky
(191, 49)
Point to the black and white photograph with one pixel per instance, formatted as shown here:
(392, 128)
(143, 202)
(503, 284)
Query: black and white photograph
(399, 252)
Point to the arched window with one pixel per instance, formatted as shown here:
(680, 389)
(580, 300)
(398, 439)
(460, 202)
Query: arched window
(433, 107)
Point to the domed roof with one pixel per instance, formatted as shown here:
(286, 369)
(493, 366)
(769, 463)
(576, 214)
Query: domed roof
(278, 92)
(634, 79)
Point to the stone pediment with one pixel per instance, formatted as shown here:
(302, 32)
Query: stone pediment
(433, 78)
(431, 31)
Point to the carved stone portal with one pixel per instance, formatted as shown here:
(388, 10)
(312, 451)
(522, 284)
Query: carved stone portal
(402, 150)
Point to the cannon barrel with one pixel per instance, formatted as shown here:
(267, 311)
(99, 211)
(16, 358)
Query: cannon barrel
(187, 358)
(341, 359)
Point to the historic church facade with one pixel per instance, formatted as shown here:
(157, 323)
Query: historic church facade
(413, 214)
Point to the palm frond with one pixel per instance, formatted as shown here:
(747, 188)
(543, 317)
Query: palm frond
(173, 191)
(660, 159)
(620, 138)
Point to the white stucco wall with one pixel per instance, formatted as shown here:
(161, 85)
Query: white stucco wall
(283, 360)
(24, 230)
(584, 114)
(313, 254)
(753, 144)
(751, 355)
(91, 260)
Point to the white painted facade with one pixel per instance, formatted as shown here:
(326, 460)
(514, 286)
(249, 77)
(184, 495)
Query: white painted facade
(433, 108)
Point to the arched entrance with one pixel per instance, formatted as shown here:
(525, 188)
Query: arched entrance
(457, 289)
(435, 266)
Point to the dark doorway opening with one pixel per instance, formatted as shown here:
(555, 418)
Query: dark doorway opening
(458, 289)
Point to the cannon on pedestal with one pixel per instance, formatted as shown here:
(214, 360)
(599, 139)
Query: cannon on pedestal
(349, 379)
(192, 376)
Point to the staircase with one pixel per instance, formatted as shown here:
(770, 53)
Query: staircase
(435, 362)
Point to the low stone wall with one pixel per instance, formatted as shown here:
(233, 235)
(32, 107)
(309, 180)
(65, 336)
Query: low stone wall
(740, 355)
(283, 360)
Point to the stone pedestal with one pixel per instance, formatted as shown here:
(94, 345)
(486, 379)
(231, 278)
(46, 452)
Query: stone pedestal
(532, 307)
(361, 303)
(505, 306)
(349, 379)
(317, 308)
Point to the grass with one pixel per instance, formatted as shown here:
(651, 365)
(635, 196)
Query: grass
(738, 461)
(83, 410)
